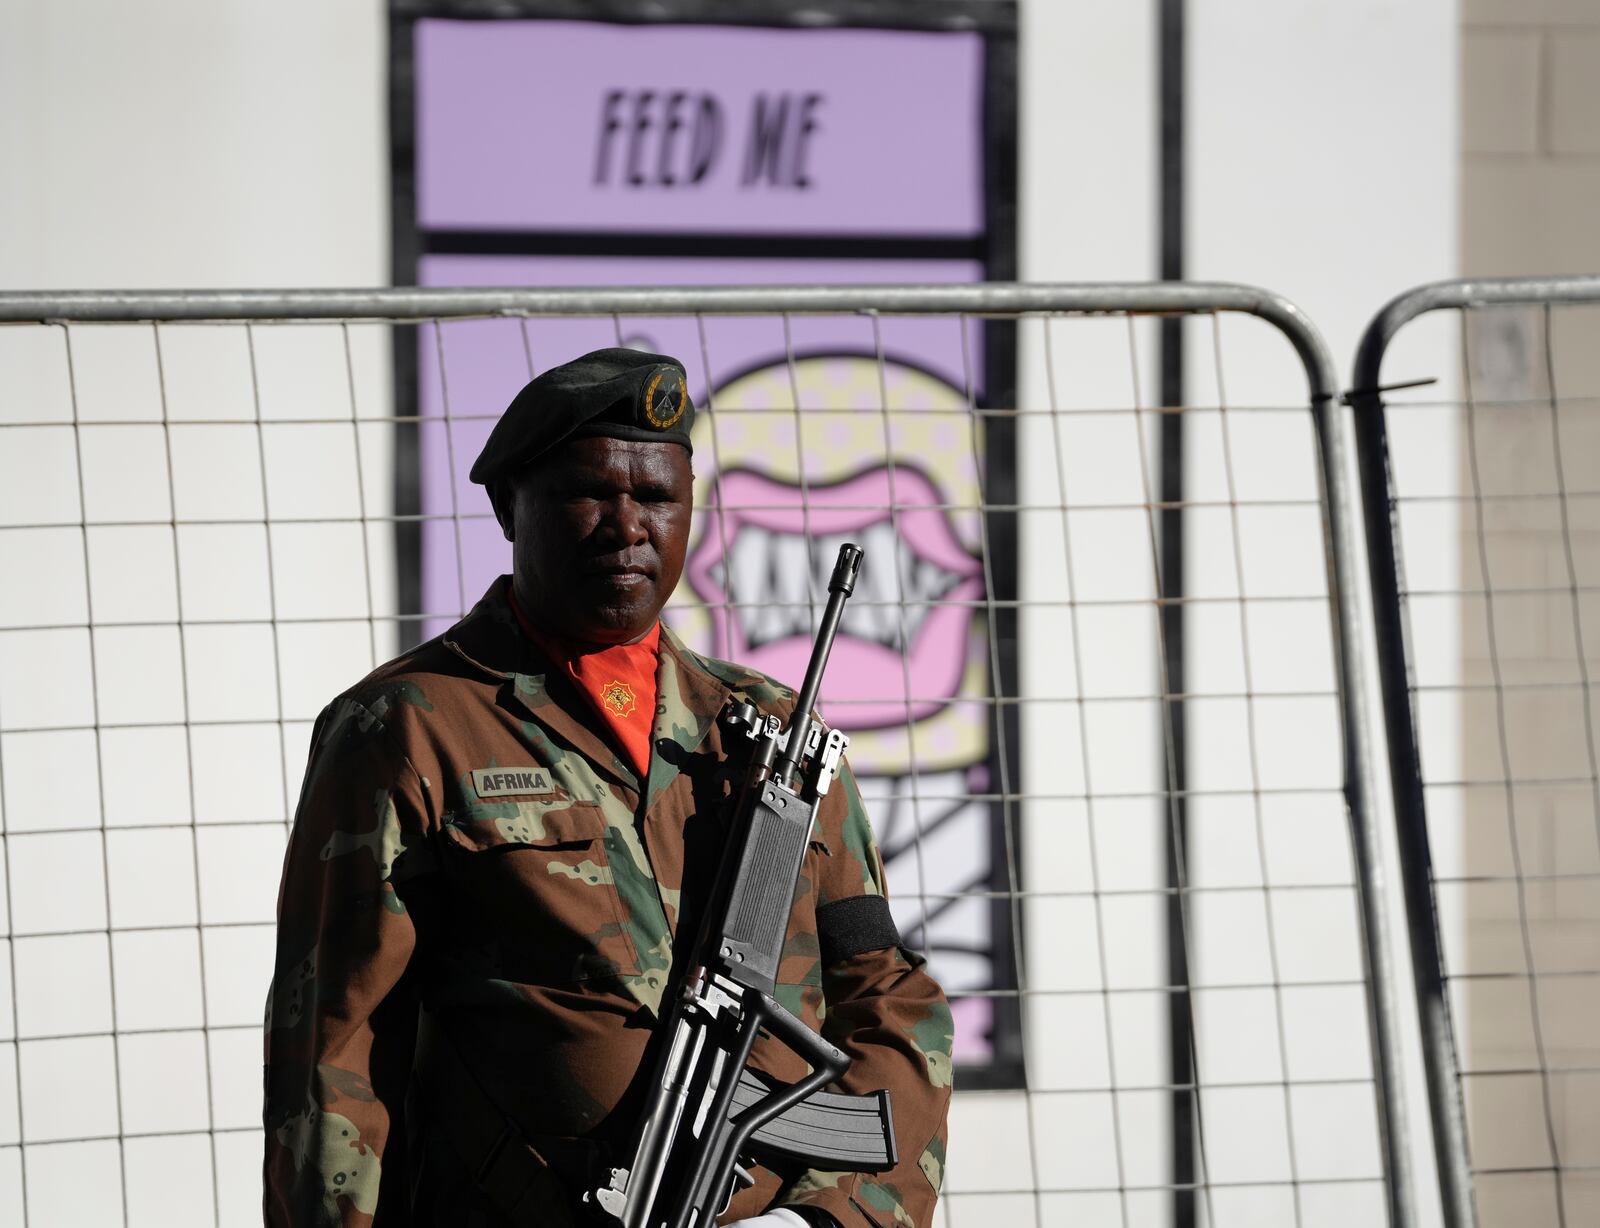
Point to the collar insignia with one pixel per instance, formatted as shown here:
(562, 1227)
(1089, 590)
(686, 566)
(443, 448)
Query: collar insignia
(618, 698)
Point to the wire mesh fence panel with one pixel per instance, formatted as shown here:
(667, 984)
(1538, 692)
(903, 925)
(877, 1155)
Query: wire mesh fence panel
(217, 514)
(1483, 502)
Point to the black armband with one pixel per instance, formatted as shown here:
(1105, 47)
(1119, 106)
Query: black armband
(853, 926)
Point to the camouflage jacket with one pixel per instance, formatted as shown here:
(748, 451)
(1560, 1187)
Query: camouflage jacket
(468, 841)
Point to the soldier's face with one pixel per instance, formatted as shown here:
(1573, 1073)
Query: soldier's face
(599, 532)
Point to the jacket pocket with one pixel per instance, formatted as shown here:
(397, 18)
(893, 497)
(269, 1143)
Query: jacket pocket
(537, 876)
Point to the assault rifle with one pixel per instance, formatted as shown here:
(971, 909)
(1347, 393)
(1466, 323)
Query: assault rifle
(706, 1114)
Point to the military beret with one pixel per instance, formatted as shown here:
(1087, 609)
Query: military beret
(620, 393)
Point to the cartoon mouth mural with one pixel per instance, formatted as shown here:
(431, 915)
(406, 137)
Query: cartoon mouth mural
(777, 489)
(790, 573)
(903, 642)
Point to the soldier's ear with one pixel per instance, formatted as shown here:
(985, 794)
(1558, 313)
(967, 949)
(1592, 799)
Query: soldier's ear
(501, 499)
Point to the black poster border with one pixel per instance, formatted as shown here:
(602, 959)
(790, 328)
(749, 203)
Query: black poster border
(997, 22)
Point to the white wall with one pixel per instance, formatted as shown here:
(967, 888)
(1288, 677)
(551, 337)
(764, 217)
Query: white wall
(1322, 164)
(184, 143)
(162, 144)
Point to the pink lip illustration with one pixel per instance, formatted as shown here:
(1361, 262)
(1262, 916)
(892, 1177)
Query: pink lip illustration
(867, 681)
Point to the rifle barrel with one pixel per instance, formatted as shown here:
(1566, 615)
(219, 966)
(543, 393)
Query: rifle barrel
(840, 587)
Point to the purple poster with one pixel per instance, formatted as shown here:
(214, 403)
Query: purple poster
(557, 125)
(556, 153)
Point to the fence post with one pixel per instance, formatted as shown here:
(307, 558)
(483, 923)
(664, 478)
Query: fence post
(1340, 525)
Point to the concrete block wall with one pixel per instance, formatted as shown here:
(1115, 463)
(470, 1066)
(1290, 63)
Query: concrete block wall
(1530, 200)
(1530, 129)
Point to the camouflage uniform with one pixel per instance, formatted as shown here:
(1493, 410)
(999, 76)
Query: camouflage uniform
(539, 931)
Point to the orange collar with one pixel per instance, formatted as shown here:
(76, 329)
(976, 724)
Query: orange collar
(618, 680)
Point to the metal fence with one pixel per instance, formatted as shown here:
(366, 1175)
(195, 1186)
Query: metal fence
(199, 491)
(1481, 515)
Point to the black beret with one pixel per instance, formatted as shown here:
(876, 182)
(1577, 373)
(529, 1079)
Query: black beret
(620, 393)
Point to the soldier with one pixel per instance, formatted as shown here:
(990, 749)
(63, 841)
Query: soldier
(501, 842)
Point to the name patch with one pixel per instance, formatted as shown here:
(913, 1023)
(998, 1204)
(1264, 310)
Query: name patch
(508, 782)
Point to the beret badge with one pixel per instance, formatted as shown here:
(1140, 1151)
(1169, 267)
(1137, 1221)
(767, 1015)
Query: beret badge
(663, 398)
(615, 393)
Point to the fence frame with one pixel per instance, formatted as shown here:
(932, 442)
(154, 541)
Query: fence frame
(1440, 1058)
(1335, 491)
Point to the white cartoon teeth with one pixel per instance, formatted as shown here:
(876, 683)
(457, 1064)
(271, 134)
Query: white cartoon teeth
(766, 572)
